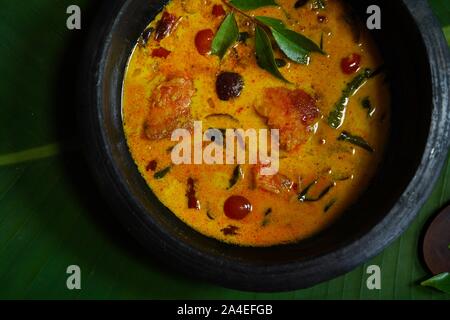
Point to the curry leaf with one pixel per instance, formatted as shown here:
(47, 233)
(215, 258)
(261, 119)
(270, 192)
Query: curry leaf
(302, 41)
(237, 174)
(292, 36)
(322, 194)
(354, 85)
(337, 115)
(447, 34)
(226, 36)
(367, 105)
(271, 22)
(304, 197)
(291, 48)
(357, 141)
(321, 42)
(440, 282)
(329, 205)
(264, 53)
(252, 4)
(161, 174)
(294, 45)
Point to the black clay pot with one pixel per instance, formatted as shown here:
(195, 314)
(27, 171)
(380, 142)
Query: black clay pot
(417, 57)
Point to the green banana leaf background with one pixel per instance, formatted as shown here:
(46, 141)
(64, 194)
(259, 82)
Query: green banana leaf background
(52, 216)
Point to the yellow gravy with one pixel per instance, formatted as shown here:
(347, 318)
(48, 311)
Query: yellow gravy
(171, 81)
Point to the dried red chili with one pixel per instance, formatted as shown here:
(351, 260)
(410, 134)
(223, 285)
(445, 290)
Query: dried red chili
(151, 165)
(165, 26)
(193, 202)
(160, 53)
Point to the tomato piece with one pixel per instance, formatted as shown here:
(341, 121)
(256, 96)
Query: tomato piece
(165, 26)
(160, 53)
(218, 10)
(351, 64)
(237, 207)
(203, 41)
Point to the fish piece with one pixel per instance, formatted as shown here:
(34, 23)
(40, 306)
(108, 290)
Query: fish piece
(277, 184)
(169, 107)
(293, 112)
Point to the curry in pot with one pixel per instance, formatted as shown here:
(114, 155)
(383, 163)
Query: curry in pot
(308, 69)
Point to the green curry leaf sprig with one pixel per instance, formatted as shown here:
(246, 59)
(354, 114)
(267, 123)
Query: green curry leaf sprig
(337, 114)
(295, 46)
(355, 140)
(252, 4)
(440, 282)
(226, 36)
(264, 53)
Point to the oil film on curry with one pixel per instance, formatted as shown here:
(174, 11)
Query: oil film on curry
(296, 86)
